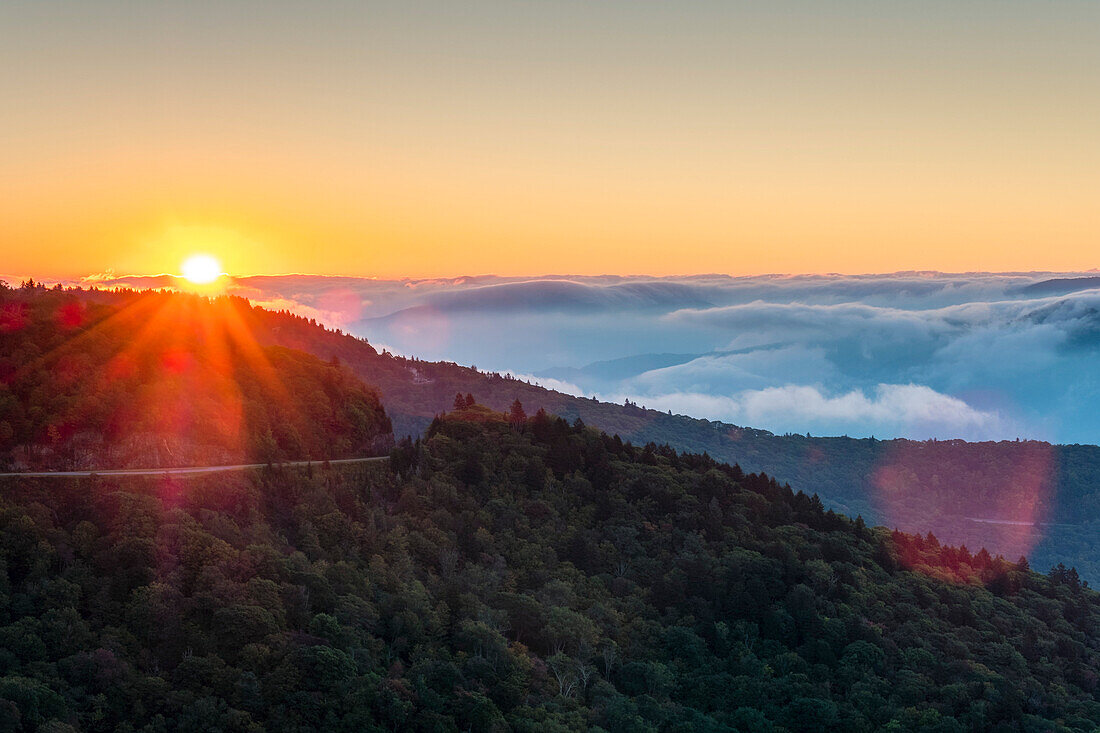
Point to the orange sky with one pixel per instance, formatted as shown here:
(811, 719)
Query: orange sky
(517, 138)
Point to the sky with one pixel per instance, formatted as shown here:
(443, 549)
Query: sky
(425, 140)
(911, 354)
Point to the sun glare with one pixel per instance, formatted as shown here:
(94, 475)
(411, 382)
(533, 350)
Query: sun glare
(201, 269)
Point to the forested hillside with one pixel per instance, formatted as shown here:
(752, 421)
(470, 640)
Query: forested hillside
(1046, 494)
(161, 379)
(508, 573)
(1032, 498)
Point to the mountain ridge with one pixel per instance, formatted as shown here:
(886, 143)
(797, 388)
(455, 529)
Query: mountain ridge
(857, 476)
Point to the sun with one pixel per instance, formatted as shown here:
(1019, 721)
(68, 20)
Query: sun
(201, 269)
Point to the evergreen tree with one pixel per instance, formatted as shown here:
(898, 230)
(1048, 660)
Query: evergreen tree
(516, 416)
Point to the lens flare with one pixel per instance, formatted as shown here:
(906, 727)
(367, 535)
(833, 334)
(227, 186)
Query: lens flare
(996, 496)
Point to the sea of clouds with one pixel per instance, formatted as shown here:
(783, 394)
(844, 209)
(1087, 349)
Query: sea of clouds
(976, 356)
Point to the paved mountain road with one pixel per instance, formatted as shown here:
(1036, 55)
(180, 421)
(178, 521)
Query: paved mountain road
(185, 471)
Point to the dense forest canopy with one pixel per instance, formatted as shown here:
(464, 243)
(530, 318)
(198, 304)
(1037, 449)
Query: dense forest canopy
(161, 379)
(1032, 498)
(516, 573)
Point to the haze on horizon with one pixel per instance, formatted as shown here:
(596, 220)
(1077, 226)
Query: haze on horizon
(425, 139)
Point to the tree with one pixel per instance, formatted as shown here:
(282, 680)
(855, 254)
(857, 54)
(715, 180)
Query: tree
(460, 402)
(569, 631)
(565, 673)
(516, 416)
(610, 656)
(1065, 576)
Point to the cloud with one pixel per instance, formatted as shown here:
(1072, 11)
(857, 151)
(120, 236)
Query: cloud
(569, 295)
(912, 406)
(331, 318)
(557, 385)
(725, 373)
(900, 410)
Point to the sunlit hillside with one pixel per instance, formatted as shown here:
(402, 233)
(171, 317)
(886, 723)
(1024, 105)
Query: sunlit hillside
(162, 379)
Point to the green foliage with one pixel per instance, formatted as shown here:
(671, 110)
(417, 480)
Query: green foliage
(528, 575)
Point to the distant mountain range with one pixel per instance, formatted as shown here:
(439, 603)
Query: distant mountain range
(1060, 286)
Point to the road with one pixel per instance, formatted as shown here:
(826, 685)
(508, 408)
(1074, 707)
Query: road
(186, 471)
